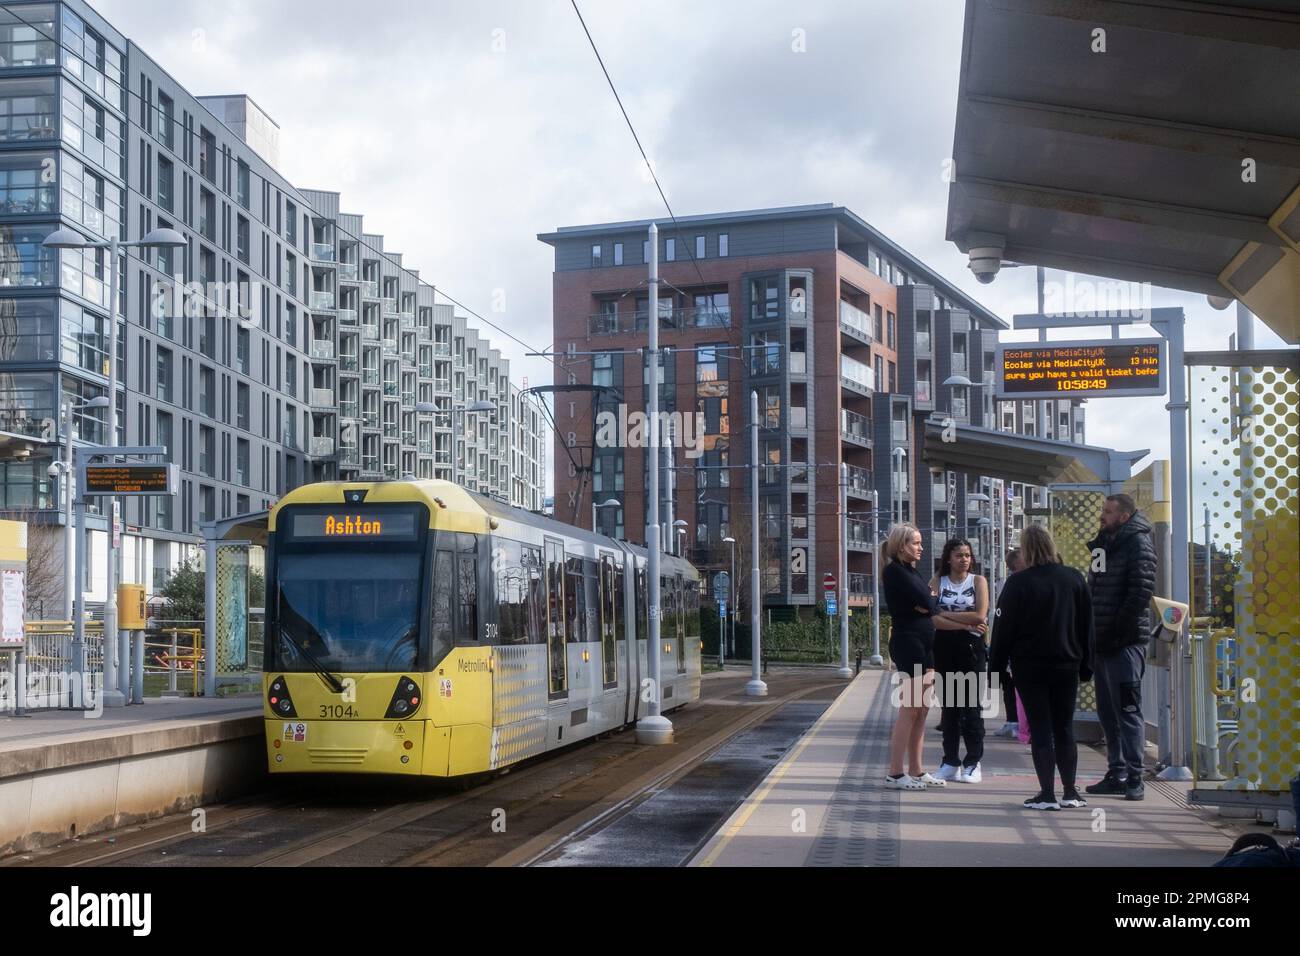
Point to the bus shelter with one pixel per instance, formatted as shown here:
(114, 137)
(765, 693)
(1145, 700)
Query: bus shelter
(232, 547)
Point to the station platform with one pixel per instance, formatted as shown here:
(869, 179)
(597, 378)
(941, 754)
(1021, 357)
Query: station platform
(825, 804)
(65, 774)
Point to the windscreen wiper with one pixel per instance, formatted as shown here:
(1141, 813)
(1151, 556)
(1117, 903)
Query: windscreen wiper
(330, 680)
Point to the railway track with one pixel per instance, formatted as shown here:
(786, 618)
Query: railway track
(519, 817)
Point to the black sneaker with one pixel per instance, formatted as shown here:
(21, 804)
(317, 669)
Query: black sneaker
(1109, 784)
(1044, 801)
(1134, 789)
(1072, 799)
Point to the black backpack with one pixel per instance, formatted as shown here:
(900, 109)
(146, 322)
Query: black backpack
(1259, 849)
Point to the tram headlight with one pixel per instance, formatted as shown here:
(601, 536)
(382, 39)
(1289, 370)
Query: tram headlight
(278, 699)
(406, 698)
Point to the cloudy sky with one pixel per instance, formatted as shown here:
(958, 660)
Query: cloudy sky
(462, 129)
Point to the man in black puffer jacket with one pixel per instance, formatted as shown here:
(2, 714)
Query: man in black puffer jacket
(1122, 580)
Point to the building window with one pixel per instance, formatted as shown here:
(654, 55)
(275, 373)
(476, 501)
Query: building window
(163, 383)
(602, 365)
(670, 250)
(241, 184)
(165, 183)
(722, 244)
(595, 255)
(699, 247)
(618, 253)
(645, 250)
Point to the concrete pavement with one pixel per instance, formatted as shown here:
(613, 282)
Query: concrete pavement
(825, 805)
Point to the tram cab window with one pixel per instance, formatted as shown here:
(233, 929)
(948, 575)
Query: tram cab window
(442, 606)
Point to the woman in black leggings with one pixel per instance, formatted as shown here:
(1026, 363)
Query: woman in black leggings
(1042, 630)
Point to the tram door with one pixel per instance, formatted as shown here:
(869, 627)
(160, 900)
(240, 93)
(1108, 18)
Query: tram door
(609, 607)
(556, 648)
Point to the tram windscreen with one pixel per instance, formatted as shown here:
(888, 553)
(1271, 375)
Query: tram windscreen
(353, 613)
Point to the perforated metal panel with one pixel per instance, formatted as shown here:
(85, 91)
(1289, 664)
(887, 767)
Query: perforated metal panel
(1073, 524)
(518, 703)
(1245, 467)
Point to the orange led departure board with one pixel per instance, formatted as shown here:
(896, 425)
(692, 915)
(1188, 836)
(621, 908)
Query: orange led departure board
(1128, 367)
(132, 478)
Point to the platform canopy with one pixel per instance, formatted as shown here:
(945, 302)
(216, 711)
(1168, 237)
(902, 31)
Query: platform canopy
(1145, 142)
(1024, 458)
(252, 528)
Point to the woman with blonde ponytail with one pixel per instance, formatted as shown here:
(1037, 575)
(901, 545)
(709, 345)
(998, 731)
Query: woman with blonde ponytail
(913, 618)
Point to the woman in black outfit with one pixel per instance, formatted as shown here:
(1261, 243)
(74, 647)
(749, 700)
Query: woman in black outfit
(913, 618)
(1042, 631)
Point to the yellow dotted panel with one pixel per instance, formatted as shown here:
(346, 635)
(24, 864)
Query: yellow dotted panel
(1246, 470)
(1073, 524)
(518, 703)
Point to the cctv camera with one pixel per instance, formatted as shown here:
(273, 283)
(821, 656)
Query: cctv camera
(53, 470)
(985, 251)
(985, 261)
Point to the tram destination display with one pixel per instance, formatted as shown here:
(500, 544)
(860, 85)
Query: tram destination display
(351, 524)
(131, 478)
(1128, 367)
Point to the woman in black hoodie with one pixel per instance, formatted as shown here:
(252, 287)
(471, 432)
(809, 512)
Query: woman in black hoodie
(1042, 630)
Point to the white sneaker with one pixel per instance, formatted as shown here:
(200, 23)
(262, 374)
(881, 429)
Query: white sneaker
(970, 775)
(929, 780)
(947, 771)
(903, 783)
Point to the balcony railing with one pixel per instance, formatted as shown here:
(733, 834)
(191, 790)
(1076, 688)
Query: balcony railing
(349, 409)
(859, 535)
(347, 363)
(322, 252)
(855, 321)
(442, 385)
(390, 388)
(369, 289)
(408, 437)
(370, 463)
(798, 526)
(426, 446)
(322, 398)
(408, 398)
(441, 348)
(898, 431)
(321, 447)
(388, 305)
(369, 419)
(856, 375)
(391, 430)
(859, 584)
(347, 316)
(322, 349)
(859, 481)
(426, 371)
(349, 455)
(370, 376)
(321, 300)
(390, 345)
(370, 333)
(798, 416)
(706, 318)
(348, 271)
(855, 428)
(442, 457)
(798, 363)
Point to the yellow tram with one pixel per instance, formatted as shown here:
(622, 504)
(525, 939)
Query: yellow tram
(416, 628)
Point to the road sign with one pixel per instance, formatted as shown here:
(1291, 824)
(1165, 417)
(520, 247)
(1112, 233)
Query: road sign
(721, 587)
(832, 607)
(1081, 369)
(131, 478)
(722, 609)
(828, 582)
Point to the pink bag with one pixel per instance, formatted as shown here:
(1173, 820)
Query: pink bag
(1023, 735)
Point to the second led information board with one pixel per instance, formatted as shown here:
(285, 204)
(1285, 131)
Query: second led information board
(1129, 367)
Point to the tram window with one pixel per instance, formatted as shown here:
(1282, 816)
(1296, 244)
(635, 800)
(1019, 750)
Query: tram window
(443, 583)
(608, 617)
(512, 591)
(640, 605)
(532, 566)
(575, 623)
(555, 618)
(619, 603)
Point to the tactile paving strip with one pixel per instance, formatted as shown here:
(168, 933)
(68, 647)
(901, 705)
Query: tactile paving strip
(861, 827)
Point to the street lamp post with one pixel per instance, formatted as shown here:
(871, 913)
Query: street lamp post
(845, 671)
(899, 473)
(876, 659)
(756, 686)
(65, 238)
(654, 727)
(679, 526)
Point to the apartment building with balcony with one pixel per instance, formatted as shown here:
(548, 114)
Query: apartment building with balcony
(811, 307)
(289, 344)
